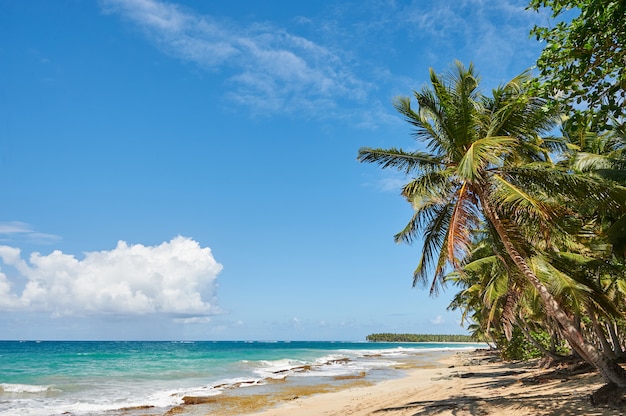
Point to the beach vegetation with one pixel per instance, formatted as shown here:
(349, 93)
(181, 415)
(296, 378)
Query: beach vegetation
(515, 215)
(520, 347)
(391, 337)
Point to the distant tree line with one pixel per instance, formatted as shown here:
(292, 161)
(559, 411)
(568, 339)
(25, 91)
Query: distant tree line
(388, 337)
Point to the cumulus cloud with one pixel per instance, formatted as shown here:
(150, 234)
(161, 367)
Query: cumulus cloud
(176, 278)
(274, 71)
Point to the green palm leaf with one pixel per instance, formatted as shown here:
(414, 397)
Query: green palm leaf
(481, 154)
(399, 159)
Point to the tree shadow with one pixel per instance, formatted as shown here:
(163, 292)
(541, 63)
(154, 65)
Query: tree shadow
(539, 398)
(543, 404)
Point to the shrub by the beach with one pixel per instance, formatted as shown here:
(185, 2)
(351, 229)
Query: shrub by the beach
(519, 347)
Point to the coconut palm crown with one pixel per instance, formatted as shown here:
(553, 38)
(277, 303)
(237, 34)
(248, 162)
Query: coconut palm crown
(476, 146)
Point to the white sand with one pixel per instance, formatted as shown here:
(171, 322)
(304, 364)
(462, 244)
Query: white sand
(466, 385)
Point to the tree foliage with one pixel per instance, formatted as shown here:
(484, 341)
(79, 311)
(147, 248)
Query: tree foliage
(584, 60)
(493, 209)
(391, 337)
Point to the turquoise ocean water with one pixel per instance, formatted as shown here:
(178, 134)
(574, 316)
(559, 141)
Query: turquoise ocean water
(101, 378)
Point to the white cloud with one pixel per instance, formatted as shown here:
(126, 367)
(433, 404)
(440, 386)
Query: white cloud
(274, 71)
(175, 278)
(495, 35)
(194, 320)
(391, 183)
(16, 230)
(14, 227)
(332, 69)
(438, 320)
(8, 300)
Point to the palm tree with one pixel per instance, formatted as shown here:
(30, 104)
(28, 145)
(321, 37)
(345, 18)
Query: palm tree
(485, 162)
(601, 154)
(496, 297)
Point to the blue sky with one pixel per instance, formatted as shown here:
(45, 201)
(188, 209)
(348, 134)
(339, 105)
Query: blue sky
(187, 170)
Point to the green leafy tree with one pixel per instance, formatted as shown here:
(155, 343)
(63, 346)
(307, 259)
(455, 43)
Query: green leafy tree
(484, 162)
(584, 60)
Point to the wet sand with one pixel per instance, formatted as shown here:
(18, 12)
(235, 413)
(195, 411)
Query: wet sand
(456, 384)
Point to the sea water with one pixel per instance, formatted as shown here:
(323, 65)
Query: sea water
(97, 378)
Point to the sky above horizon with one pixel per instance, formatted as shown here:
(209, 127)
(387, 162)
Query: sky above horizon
(187, 170)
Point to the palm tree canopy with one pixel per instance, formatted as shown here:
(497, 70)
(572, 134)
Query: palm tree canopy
(469, 142)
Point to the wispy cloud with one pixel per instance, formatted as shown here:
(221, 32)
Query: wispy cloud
(274, 70)
(493, 34)
(342, 63)
(21, 231)
(389, 183)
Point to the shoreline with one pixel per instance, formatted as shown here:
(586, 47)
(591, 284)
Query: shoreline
(274, 392)
(454, 383)
(461, 383)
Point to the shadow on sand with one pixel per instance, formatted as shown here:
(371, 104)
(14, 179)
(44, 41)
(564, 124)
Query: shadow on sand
(536, 399)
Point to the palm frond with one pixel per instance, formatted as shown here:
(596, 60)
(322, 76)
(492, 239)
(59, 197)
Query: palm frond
(431, 123)
(463, 221)
(616, 174)
(555, 144)
(399, 159)
(481, 153)
(427, 121)
(512, 198)
(512, 112)
(434, 185)
(439, 273)
(427, 212)
(585, 162)
(482, 264)
(578, 275)
(434, 239)
(564, 185)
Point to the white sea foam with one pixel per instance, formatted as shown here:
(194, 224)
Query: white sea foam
(277, 368)
(343, 363)
(57, 407)
(25, 388)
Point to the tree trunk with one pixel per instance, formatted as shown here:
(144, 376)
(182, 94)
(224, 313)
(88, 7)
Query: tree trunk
(554, 342)
(609, 369)
(599, 331)
(617, 343)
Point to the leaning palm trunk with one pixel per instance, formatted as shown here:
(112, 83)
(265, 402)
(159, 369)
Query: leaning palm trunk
(617, 345)
(599, 331)
(609, 369)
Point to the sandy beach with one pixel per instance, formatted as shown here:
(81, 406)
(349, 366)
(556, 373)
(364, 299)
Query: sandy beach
(466, 383)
